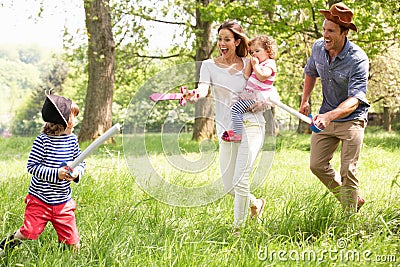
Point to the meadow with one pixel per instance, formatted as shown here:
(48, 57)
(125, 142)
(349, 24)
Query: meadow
(302, 225)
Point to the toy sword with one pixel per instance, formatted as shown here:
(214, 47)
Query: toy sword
(155, 97)
(93, 146)
(297, 114)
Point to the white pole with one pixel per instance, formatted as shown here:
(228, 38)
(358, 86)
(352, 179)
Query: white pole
(291, 111)
(96, 143)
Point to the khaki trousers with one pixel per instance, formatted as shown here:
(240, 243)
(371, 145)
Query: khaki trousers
(323, 145)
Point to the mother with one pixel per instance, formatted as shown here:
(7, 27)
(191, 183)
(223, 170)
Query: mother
(224, 75)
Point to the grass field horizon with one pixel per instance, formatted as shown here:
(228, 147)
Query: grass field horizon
(302, 225)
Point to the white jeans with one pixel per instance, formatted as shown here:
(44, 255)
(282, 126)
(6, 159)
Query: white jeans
(236, 163)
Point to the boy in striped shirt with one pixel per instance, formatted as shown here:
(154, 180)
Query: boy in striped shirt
(261, 73)
(49, 194)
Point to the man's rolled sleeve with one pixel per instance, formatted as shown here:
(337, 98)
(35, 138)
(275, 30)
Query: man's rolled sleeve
(359, 80)
(310, 68)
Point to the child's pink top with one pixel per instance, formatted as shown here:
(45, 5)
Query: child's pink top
(256, 85)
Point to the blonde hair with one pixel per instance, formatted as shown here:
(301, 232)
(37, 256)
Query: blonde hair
(268, 43)
(74, 109)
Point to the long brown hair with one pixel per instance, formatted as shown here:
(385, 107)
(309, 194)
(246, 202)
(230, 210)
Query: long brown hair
(242, 50)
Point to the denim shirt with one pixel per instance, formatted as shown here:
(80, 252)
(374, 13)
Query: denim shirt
(346, 76)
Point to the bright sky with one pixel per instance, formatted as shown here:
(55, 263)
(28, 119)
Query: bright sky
(20, 22)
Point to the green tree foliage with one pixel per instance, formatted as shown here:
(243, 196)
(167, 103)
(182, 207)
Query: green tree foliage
(297, 24)
(28, 118)
(136, 63)
(76, 81)
(294, 24)
(18, 77)
(30, 55)
(385, 84)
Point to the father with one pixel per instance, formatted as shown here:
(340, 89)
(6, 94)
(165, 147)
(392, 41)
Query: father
(343, 69)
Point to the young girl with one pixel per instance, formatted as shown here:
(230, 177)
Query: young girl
(49, 194)
(261, 73)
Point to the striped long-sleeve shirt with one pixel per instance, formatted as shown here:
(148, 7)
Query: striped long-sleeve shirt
(45, 158)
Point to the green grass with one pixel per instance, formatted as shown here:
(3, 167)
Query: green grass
(120, 225)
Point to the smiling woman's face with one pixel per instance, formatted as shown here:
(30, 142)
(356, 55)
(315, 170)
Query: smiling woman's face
(227, 43)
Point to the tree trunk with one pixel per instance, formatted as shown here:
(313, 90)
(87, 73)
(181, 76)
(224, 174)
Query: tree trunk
(204, 108)
(271, 127)
(101, 56)
(387, 119)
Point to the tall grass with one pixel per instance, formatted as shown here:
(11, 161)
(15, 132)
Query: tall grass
(303, 225)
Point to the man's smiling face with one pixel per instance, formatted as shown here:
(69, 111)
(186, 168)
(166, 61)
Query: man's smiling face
(333, 38)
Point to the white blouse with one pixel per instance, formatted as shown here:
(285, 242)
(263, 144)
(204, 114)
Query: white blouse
(225, 84)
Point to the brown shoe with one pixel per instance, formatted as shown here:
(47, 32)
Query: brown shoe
(257, 212)
(360, 202)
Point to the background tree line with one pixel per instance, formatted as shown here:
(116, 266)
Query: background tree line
(105, 73)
